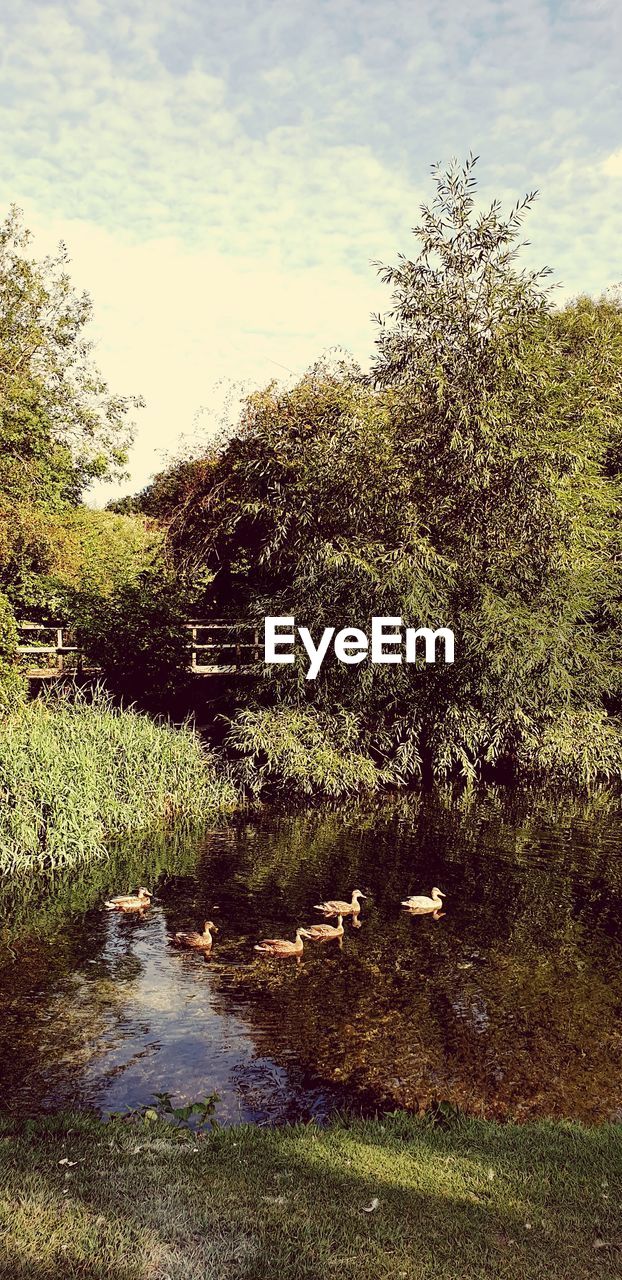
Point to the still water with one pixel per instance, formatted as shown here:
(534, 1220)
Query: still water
(508, 1005)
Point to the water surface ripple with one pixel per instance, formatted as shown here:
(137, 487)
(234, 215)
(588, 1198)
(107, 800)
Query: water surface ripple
(508, 1005)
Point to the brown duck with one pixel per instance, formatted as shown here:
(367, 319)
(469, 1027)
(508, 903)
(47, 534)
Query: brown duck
(337, 907)
(323, 932)
(130, 901)
(199, 941)
(280, 946)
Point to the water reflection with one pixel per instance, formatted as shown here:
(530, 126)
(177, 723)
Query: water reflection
(507, 1002)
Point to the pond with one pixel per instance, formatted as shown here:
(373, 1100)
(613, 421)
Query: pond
(507, 1004)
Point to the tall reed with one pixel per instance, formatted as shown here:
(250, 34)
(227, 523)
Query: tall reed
(74, 775)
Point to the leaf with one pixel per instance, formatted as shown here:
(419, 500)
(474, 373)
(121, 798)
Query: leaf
(371, 1207)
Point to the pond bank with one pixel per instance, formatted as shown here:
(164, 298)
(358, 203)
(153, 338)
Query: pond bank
(474, 1199)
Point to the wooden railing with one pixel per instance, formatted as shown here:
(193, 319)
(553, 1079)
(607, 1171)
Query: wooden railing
(241, 654)
(48, 650)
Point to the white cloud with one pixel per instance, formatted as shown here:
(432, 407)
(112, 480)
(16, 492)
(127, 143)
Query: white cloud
(223, 174)
(612, 166)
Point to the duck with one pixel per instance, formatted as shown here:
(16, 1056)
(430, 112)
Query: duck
(322, 932)
(422, 903)
(199, 941)
(281, 946)
(336, 907)
(130, 901)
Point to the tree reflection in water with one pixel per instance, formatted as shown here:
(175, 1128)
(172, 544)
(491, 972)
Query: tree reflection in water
(506, 1003)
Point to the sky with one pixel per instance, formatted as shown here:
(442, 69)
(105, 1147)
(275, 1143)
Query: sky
(224, 175)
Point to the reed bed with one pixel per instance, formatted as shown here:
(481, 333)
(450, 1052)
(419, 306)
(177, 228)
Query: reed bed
(76, 775)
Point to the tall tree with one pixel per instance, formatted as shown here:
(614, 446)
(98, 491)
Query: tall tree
(508, 419)
(60, 427)
(471, 481)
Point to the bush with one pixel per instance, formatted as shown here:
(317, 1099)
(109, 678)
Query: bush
(300, 751)
(12, 687)
(137, 637)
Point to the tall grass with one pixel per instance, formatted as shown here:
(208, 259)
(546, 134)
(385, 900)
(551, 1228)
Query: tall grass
(73, 776)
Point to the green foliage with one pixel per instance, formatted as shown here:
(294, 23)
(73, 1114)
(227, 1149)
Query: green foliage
(60, 427)
(310, 490)
(100, 552)
(165, 494)
(472, 481)
(295, 750)
(74, 776)
(586, 744)
(136, 635)
(57, 555)
(11, 684)
(194, 1117)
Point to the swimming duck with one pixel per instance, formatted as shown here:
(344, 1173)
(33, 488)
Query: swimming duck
(130, 901)
(322, 932)
(335, 907)
(200, 941)
(422, 903)
(280, 946)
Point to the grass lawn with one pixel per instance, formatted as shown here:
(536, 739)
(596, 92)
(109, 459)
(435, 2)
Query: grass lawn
(472, 1200)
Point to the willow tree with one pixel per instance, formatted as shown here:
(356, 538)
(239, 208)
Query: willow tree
(470, 481)
(509, 417)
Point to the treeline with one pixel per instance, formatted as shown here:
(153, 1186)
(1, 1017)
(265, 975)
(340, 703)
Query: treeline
(78, 772)
(60, 429)
(470, 478)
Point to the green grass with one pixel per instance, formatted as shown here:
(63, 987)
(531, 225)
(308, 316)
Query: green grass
(532, 1202)
(75, 776)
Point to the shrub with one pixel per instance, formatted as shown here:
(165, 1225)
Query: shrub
(11, 683)
(300, 751)
(136, 636)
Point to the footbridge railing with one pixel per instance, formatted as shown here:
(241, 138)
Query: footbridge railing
(50, 649)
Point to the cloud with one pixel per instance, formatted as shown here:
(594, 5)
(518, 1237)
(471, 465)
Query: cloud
(223, 174)
(612, 166)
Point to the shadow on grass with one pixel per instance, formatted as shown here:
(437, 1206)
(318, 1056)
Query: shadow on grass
(475, 1200)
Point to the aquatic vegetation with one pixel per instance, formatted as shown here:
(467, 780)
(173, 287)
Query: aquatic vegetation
(74, 775)
(193, 1116)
